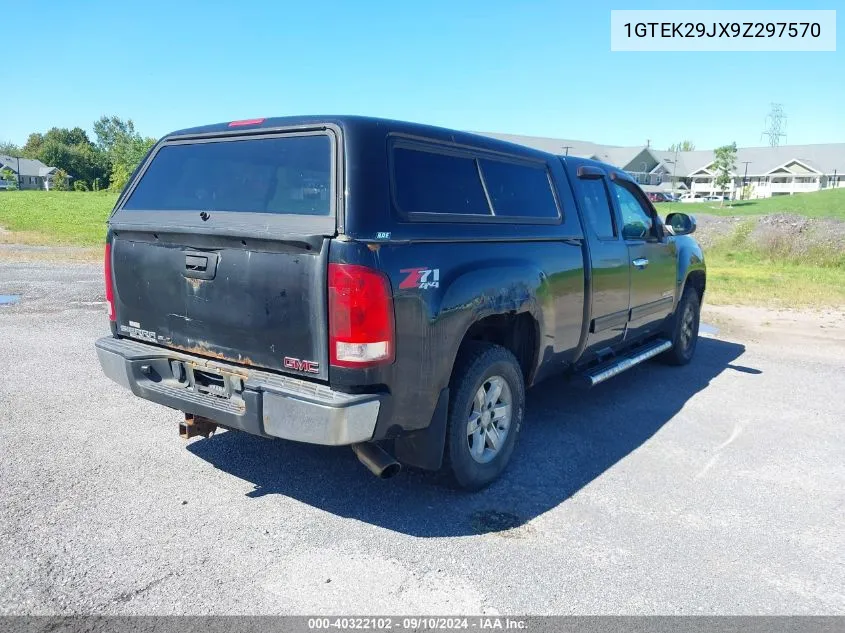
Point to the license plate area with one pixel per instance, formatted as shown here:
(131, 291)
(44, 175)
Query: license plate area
(207, 381)
(212, 384)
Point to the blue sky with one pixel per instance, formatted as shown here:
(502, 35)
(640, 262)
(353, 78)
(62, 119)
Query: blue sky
(530, 67)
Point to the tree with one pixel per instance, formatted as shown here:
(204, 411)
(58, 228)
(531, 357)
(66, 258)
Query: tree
(71, 151)
(91, 163)
(80, 161)
(60, 180)
(109, 129)
(723, 166)
(7, 148)
(119, 177)
(10, 177)
(683, 146)
(55, 154)
(33, 145)
(74, 137)
(127, 152)
(114, 156)
(123, 145)
(748, 191)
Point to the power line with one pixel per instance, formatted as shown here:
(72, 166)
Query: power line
(775, 123)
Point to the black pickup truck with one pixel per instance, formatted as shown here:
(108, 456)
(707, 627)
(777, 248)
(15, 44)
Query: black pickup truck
(385, 285)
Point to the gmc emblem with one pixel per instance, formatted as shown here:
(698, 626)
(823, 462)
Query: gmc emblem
(308, 366)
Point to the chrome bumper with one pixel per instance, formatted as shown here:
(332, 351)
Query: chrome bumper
(255, 401)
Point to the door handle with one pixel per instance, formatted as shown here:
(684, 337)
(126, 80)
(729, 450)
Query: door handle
(640, 263)
(193, 262)
(200, 265)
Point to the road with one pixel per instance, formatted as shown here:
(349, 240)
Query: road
(716, 488)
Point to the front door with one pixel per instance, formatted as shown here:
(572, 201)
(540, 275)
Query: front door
(652, 258)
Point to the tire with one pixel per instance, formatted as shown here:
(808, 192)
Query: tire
(480, 371)
(684, 329)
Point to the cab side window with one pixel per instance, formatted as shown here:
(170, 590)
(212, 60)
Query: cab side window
(637, 222)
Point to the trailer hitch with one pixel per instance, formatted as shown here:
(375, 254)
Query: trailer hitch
(195, 425)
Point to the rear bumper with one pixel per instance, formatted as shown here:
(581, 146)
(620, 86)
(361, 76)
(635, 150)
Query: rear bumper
(251, 400)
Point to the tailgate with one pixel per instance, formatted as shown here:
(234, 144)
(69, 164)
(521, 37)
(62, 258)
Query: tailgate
(220, 248)
(244, 306)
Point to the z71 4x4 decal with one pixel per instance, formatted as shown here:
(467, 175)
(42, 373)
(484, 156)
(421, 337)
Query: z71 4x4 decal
(422, 278)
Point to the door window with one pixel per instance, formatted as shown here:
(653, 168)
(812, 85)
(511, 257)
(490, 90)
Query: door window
(637, 222)
(597, 208)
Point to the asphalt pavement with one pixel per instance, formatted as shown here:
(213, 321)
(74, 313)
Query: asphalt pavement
(715, 488)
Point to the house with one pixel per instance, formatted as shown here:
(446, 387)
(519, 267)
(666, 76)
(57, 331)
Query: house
(32, 174)
(771, 171)
(762, 171)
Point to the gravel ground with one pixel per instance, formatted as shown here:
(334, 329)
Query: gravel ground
(711, 489)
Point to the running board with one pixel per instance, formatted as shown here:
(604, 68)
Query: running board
(616, 366)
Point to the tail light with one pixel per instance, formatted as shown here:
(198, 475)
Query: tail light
(361, 327)
(109, 284)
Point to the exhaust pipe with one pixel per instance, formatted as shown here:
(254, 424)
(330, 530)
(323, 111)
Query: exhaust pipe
(374, 457)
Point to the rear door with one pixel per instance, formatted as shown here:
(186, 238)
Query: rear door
(220, 248)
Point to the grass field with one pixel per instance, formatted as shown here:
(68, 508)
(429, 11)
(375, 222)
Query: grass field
(821, 204)
(68, 218)
(749, 278)
(778, 267)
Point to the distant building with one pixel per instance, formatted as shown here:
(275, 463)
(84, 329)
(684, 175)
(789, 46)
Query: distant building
(771, 171)
(32, 174)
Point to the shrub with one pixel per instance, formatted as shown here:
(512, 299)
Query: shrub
(782, 239)
(60, 180)
(80, 185)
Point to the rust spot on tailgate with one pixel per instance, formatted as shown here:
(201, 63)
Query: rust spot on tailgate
(202, 349)
(195, 283)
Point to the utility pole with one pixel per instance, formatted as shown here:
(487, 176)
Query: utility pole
(567, 148)
(19, 172)
(674, 165)
(835, 181)
(744, 180)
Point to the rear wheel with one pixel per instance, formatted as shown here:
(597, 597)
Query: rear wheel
(486, 408)
(684, 329)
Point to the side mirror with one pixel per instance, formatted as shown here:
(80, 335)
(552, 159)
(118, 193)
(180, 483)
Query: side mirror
(681, 223)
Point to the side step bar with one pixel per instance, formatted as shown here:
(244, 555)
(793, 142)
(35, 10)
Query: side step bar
(616, 366)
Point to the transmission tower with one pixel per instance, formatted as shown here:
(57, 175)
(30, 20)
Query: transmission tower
(775, 125)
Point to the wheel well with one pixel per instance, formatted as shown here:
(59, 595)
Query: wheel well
(518, 333)
(697, 279)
